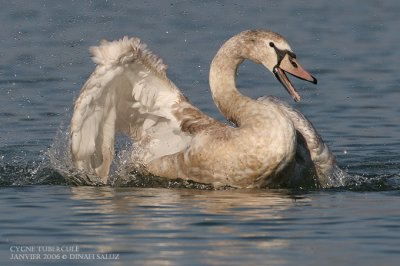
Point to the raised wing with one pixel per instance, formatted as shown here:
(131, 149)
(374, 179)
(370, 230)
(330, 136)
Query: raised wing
(313, 157)
(128, 92)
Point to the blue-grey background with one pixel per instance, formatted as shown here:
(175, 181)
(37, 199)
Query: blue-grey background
(350, 46)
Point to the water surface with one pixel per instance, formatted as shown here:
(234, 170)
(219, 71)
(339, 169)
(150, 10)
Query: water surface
(350, 47)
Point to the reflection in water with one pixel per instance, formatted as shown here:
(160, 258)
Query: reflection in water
(165, 224)
(192, 227)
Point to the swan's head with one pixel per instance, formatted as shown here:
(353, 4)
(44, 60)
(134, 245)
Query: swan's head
(272, 51)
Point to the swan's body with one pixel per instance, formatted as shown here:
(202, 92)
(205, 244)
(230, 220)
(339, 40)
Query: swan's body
(129, 92)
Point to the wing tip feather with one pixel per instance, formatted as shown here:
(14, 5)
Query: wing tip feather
(126, 50)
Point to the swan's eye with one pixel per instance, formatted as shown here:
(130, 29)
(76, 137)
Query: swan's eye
(271, 44)
(292, 62)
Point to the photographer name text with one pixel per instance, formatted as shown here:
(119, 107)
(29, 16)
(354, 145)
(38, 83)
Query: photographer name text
(72, 252)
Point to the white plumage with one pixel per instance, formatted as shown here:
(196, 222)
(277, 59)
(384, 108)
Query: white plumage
(128, 92)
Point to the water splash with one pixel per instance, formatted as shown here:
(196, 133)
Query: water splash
(29, 173)
(381, 182)
(60, 159)
(54, 167)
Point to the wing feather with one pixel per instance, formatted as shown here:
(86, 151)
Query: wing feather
(313, 156)
(128, 92)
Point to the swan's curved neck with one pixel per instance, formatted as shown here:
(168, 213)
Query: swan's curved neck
(223, 68)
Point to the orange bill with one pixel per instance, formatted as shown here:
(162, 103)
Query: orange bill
(290, 65)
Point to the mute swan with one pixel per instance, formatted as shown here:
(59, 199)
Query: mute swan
(270, 145)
